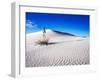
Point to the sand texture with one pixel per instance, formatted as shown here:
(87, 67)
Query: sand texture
(64, 49)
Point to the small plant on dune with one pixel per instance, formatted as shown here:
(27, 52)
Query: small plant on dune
(44, 40)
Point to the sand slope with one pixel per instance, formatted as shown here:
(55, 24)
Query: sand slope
(69, 50)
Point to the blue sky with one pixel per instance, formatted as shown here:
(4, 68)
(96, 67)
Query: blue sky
(69, 23)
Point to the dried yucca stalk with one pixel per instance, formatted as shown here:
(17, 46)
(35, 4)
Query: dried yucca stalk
(44, 40)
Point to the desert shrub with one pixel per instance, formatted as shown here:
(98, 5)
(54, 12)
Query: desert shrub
(43, 42)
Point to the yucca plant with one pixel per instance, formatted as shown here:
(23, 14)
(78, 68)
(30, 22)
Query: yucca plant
(44, 40)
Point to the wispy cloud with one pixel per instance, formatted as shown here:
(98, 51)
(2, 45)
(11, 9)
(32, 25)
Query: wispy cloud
(31, 25)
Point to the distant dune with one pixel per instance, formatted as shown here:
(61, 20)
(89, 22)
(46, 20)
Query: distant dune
(67, 49)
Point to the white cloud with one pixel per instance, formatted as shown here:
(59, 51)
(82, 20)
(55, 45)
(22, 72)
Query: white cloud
(31, 25)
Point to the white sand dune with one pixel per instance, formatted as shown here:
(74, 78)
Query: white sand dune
(69, 50)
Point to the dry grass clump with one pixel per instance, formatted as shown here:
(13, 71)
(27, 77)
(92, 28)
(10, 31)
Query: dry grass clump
(43, 41)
